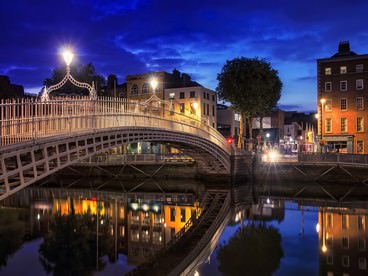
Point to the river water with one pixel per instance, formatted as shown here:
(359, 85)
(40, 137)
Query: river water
(110, 228)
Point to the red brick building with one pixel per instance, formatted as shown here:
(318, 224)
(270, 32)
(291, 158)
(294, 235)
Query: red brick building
(342, 101)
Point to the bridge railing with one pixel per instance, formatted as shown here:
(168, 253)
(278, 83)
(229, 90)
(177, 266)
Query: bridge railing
(334, 158)
(30, 119)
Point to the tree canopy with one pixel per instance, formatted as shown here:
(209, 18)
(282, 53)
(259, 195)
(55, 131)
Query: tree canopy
(82, 73)
(251, 85)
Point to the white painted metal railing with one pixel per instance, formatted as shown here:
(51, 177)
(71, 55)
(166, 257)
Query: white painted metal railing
(30, 119)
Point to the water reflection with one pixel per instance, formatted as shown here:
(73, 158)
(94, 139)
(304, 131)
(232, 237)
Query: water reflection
(83, 230)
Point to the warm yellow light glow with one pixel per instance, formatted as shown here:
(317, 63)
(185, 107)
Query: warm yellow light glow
(195, 105)
(316, 115)
(324, 248)
(154, 84)
(318, 227)
(68, 57)
(323, 101)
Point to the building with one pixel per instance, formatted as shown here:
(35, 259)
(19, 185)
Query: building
(113, 89)
(197, 102)
(342, 236)
(9, 90)
(228, 122)
(342, 94)
(300, 130)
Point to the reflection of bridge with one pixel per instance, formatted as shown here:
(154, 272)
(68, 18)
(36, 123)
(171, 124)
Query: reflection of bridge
(39, 138)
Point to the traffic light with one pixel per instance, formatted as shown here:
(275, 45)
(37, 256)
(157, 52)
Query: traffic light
(229, 141)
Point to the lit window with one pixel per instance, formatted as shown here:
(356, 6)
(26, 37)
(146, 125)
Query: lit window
(237, 117)
(328, 125)
(182, 215)
(134, 89)
(360, 124)
(343, 104)
(343, 70)
(328, 86)
(344, 125)
(182, 108)
(172, 214)
(362, 263)
(361, 219)
(359, 84)
(344, 221)
(172, 96)
(360, 103)
(359, 68)
(145, 88)
(328, 105)
(328, 71)
(343, 85)
(345, 261)
(345, 242)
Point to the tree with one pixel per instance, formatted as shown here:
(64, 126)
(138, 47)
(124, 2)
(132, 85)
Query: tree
(82, 73)
(251, 85)
(253, 250)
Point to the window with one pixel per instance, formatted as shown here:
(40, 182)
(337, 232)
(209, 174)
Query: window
(204, 95)
(204, 109)
(345, 261)
(362, 263)
(237, 117)
(361, 244)
(172, 232)
(359, 68)
(344, 125)
(208, 96)
(213, 98)
(360, 103)
(328, 105)
(343, 85)
(360, 149)
(343, 104)
(134, 90)
(360, 124)
(328, 125)
(182, 108)
(359, 84)
(208, 109)
(213, 110)
(172, 214)
(361, 222)
(328, 71)
(192, 94)
(145, 88)
(343, 70)
(328, 86)
(182, 215)
(344, 221)
(345, 242)
(330, 259)
(172, 96)
(181, 95)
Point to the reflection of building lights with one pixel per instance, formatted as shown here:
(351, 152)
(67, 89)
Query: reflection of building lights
(268, 200)
(318, 227)
(134, 206)
(324, 248)
(160, 238)
(38, 216)
(155, 208)
(165, 224)
(145, 207)
(267, 135)
(146, 232)
(102, 222)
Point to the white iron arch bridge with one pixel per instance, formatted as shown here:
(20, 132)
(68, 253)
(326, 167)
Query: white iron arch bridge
(39, 138)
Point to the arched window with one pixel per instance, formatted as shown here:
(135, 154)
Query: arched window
(145, 88)
(134, 89)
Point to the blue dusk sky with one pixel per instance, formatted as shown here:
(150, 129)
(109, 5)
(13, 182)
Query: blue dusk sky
(196, 37)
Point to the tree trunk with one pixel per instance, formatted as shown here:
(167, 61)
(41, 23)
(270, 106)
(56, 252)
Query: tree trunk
(241, 131)
(260, 132)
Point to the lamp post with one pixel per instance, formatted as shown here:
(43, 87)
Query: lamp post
(68, 58)
(322, 107)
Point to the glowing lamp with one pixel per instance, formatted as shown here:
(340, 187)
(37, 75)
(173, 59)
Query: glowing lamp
(154, 84)
(229, 140)
(68, 57)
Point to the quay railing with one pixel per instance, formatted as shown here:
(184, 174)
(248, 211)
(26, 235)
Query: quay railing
(346, 158)
(30, 119)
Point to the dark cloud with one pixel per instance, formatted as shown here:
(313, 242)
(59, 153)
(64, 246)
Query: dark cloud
(128, 37)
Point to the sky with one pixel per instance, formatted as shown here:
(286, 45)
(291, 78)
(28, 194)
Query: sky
(193, 36)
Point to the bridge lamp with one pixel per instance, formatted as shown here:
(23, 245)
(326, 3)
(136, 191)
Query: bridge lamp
(195, 105)
(267, 135)
(154, 85)
(68, 57)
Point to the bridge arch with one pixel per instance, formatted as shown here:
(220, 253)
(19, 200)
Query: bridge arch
(24, 164)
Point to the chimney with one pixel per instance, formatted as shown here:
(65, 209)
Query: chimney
(344, 48)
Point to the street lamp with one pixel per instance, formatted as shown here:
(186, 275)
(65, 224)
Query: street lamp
(322, 106)
(154, 85)
(68, 57)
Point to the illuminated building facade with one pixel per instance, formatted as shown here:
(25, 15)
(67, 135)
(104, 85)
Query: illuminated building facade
(342, 98)
(342, 241)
